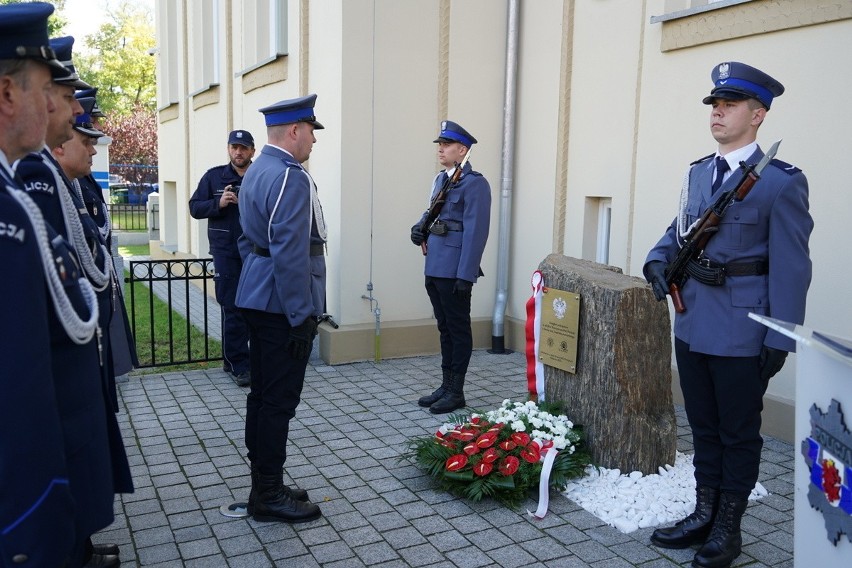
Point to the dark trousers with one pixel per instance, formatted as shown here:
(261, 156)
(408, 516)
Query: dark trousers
(453, 315)
(723, 397)
(235, 331)
(276, 388)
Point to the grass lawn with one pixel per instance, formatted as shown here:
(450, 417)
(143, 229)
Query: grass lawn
(186, 349)
(134, 250)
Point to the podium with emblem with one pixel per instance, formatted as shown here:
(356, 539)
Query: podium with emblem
(823, 445)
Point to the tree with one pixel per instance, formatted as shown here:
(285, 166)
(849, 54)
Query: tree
(55, 22)
(118, 62)
(133, 152)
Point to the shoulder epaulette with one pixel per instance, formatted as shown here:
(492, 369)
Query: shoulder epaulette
(473, 173)
(785, 167)
(291, 163)
(699, 160)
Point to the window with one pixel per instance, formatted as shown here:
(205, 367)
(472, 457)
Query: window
(264, 36)
(168, 52)
(683, 8)
(205, 33)
(604, 221)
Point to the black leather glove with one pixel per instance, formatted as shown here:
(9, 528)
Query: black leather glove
(462, 289)
(655, 274)
(416, 234)
(302, 338)
(771, 361)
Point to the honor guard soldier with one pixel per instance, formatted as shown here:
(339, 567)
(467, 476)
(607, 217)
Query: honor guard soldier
(757, 262)
(454, 237)
(44, 518)
(281, 293)
(217, 200)
(98, 468)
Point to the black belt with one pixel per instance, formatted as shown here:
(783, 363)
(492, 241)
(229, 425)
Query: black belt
(316, 250)
(714, 273)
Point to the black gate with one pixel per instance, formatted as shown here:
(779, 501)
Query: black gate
(174, 317)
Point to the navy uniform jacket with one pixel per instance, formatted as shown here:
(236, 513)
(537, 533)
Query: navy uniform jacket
(772, 223)
(458, 254)
(275, 202)
(36, 506)
(223, 225)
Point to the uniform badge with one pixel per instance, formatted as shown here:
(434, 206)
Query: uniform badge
(443, 125)
(724, 70)
(828, 455)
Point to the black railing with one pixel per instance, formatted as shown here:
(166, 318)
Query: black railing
(169, 311)
(126, 217)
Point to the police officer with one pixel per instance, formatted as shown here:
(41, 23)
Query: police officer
(99, 467)
(281, 293)
(757, 262)
(122, 347)
(455, 244)
(217, 199)
(45, 463)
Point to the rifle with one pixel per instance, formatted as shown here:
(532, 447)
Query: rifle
(438, 201)
(708, 225)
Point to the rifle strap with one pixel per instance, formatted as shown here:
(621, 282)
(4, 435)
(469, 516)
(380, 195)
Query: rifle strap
(714, 274)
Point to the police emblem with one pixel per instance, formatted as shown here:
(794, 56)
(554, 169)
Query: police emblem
(724, 70)
(443, 125)
(828, 455)
(559, 308)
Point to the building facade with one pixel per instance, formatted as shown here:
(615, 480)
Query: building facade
(607, 115)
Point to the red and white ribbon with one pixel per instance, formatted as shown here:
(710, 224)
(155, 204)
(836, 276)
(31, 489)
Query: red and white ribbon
(535, 369)
(544, 483)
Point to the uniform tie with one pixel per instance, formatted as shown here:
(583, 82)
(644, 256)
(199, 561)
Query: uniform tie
(721, 168)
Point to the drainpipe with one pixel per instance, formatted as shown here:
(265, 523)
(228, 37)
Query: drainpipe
(506, 180)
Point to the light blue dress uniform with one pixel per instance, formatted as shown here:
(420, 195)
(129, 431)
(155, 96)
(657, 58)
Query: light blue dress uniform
(277, 215)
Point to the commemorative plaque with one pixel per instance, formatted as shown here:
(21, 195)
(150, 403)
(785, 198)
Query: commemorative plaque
(560, 319)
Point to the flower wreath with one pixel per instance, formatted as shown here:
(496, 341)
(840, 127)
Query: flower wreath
(500, 453)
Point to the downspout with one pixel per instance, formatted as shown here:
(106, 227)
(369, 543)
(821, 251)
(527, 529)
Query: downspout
(506, 180)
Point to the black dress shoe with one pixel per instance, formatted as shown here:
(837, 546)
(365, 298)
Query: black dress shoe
(110, 548)
(103, 561)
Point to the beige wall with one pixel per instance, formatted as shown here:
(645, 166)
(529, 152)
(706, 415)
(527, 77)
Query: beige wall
(609, 106)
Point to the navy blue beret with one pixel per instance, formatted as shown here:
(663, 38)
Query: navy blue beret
(738, 81)
(23, 35)
(63, 47)
(453, 132)
(292, 110)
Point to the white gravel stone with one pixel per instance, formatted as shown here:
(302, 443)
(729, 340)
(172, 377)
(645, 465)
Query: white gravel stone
(632, 501)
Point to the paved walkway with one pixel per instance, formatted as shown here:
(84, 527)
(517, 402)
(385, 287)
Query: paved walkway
(184, 436)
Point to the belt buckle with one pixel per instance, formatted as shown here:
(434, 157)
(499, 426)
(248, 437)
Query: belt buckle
(705, 262)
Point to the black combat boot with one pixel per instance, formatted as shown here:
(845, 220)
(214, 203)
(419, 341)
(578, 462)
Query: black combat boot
(298, 494)
(452, 399)
(695, 527)
(725, 542)
(431, 399)
(274, 502)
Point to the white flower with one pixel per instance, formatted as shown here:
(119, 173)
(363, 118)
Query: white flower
(518, 426)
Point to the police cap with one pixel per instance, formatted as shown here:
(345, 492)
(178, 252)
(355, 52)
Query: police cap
(93, 94)
(241, 137)
(292, 110)
(23, 35)
(738, 81)
(83, 122)
(63, 46)
(453, 132)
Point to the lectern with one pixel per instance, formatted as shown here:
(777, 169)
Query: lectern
(823, 445)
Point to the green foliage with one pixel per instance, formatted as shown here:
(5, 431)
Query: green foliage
(116, 60)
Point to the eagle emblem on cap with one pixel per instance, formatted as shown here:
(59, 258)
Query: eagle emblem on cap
(444, 125)
(239, 134)
(724, 71)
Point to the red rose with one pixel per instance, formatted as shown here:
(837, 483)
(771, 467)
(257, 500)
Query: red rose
(491, 455)
(521, 438)
(471, 449)
(507, 445)
(509, 465)
(456, 462)
(486, 440)
(482, 468)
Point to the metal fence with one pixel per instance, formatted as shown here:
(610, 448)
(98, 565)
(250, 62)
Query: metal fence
(126, 217)
(171, 313)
